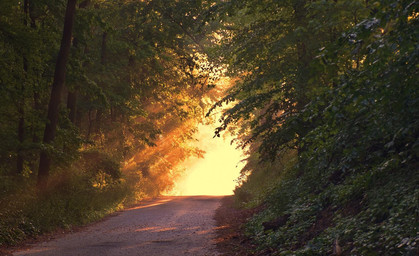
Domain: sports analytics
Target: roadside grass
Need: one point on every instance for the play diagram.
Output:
(72, 199)
(368, 213)
(260, 179)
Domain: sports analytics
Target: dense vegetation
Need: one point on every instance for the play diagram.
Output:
(325, 100)
(136, 84)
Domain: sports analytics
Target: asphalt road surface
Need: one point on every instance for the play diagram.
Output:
(165, 226)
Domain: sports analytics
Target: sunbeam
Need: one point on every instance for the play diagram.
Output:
(215, 174)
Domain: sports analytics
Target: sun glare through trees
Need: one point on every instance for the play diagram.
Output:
(216, 172)
(106, 103)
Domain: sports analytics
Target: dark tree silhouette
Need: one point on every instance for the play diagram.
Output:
(57, 87)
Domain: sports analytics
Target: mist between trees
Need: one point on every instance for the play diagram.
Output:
(100, 98)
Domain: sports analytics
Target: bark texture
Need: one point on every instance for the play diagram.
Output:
(55, 98)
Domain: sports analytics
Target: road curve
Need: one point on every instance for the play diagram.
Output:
(165, 226)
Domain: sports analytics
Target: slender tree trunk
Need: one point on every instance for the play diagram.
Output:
(303, 61)
(99, 112)
(35, 137)
(29, 7)
(103, 50)
(79, 118)
(71, 105)
(113, 114)
(21, 123)
(21, 137)
(37, 107)
(98, 121)
(89, 128)
(57, 87)
(21, 103)
(72, 94)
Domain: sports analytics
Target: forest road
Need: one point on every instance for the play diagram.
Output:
(164, 226)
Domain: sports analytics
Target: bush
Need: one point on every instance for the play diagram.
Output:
(72, 199)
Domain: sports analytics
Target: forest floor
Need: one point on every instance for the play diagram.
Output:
(165, 226)
(231, 240)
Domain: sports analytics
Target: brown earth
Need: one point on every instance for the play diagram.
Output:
(165, 226)
(231, 240)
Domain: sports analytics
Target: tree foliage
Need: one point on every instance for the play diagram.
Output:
(136, 70)
(334, 83)
(325, 96)
(137, 82)
(274, 46)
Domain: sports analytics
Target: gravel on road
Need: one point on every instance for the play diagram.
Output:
(164, 226)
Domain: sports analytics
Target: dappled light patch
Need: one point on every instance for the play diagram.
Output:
(156, 203)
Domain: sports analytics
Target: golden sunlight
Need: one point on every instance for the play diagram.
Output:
(216, 173)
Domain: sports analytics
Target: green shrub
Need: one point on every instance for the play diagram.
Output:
(71, 199)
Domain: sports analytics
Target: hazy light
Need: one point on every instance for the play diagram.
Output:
(215, 174)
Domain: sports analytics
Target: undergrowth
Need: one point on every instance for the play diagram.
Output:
(353, 188)
(366, 214)
(76, 196)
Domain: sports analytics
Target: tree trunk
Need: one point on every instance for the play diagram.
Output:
(99, 112)
(302, 75)
(89, 127)
(303, 58)
(98, 121)
(103, 50)
(21, 103)
(55, 98)
(79, 118)
(21, 137)
(38, 108)
(72, 94)
(71, 105)
(29, 14)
